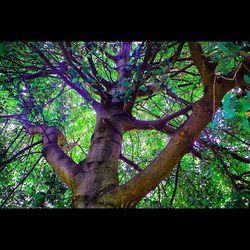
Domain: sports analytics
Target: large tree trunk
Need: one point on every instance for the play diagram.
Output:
(99, 171)
(95, 180)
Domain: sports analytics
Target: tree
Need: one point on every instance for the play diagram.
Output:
(51, 90)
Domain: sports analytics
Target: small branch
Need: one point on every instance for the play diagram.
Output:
(43, 73)
(131, 163)
(121, 60)
(185, 84)
(215, 146)
(177, 54)
(14, 189)
(175, 184)
(106, 53)
(175, 72)
(82, 91)
(6, 150)
(151, 89)
(68, 57)
(234, 136)
(159, 124)
(3, 164)
(176, 97)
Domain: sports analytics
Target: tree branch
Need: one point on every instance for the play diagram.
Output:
(121, 60)
(6, 150)
(180, 144)
(233, 135)
(205, 68)
(150, 90)
(159, 124)
(131, 163)
(223, 149)
(68, 58)
(82, 91)
(175, 184)
(17, 154)
(14, 189)
(53, 140)
(177, 54)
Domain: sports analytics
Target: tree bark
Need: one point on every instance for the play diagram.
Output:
(94, 181)
(181, 143)
(98, 172)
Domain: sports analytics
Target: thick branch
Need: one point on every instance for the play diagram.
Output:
(53, 140)
(180, 144)
(121, 60)
(205, 68)
(159, 124)
(125, 50)
(150, 54)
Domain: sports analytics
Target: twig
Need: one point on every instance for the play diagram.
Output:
(131, 163)
(14, 189)
(176, 183)
(17, 154)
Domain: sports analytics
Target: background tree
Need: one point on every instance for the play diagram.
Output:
(115, 119)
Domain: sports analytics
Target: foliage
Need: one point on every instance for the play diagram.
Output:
(216, 179)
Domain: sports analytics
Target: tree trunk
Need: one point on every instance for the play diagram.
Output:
(99, 171)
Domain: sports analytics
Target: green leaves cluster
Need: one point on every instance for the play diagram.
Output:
(237, 109)
(202, 184)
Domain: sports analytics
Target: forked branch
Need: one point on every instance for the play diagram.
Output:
(53, 142)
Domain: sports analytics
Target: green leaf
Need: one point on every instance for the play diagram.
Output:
(226, 102)
(84, 71)
(92, 81)
(3, 49)
(75, 80)
(245, 123)
(215, 121)
(245, 104)
(241, 114)
(16, 81)
(229, 113)
(143, 88)
(223, 48)
(247, 79)
(73, 73)
(238, 107)
(125, 84)
(248, 94)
